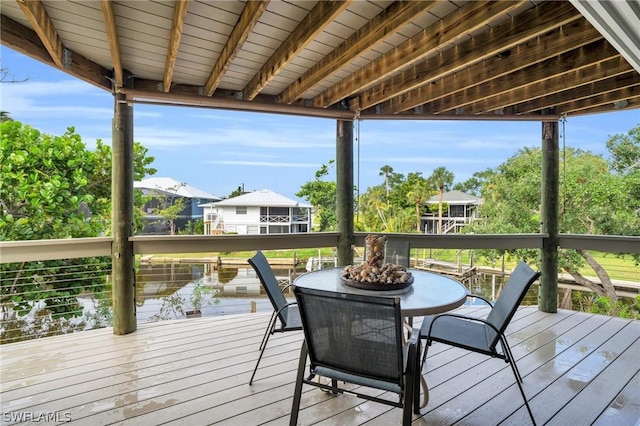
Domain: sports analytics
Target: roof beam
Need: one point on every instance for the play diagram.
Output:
(41, 22)
(559, 41)
(623, 99)
(497, 42)
(316, 20)
(380, 27)
(248, 19)
(26, 41)
(470, 17)
(610, 77)
(568, 70)
(114, 42)
(179, 13)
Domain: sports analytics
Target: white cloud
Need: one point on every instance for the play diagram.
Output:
(264, 164)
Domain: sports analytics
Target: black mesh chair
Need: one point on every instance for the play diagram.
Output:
(284, 313)
(397, 252)
(482, 335)
(357, 339)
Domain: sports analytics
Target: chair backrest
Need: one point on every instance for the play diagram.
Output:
(270, 284)
(397, 252)
(354, 334)
(510, 298)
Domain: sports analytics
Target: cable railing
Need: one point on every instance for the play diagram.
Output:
(68, 291)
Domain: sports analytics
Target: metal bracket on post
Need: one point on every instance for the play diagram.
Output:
(67, 59)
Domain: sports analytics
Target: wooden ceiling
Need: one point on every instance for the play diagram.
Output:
(344, 59)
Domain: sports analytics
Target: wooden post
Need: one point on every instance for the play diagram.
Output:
(344, 189)
(548, 294)
(123, 266)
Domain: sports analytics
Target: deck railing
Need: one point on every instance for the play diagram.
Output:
(46, 250)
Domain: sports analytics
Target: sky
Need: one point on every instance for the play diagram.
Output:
(217, 151)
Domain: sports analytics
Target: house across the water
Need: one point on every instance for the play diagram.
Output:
(165, 192)
(458, 210)
(258, 212)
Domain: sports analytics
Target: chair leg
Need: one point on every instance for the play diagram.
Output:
(526, 403)
(516, 373)
(270, 327)
(263, 345)
(297, 394)
(507, 352)
(424, 355)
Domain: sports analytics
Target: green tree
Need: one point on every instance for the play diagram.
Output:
(418, 195)
(386, 171)
(168, 206)
(322, 195)
(475, 183)
(442, 179)
(595, 199)
(53, 187)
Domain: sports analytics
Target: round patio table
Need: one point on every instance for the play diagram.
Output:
(429, 294)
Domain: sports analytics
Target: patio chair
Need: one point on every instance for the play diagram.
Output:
(398, 253)
(482, 335)
(357, 339)
(285, 313)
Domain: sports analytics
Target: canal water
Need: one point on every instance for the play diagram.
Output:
(233, 290)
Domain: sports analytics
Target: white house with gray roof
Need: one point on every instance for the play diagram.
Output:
(258, 212)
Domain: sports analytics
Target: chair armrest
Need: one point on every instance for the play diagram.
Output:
(464, 317)
(286, 306)
(484, 299)
(286, 287)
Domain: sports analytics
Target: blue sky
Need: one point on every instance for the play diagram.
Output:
(217, 151)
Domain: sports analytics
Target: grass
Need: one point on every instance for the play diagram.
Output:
(619, 268)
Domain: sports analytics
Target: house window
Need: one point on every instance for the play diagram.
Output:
(241, 210)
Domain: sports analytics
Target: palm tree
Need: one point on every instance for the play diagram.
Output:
(386, 171)
(442, 179)
(418, 194)
(5, 116)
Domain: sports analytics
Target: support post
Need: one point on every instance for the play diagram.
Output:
(548, 294)
(344, 189)
(123, 266)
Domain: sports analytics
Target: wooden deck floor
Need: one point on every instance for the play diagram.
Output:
(578, 369)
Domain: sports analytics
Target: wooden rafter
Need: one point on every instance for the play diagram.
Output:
(549, 45)
(114, 42)
(179, 13)
(39, 18)
(472, 16)
(26, 41)
(504, 37)
(389, 20)
(549, 76)
(621, 99)
(248, 19)
(610, 81)
(316, 20)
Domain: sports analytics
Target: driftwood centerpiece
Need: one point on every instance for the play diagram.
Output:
(373, 273)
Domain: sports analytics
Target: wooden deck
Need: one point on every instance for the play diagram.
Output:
(578, 369)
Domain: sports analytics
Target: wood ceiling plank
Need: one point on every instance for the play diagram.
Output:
(248, 19)
(111, 29)
(610, 80)
(315, 21)
(561, 40)
(26, 41)
(470, 17)
(179, 13)
(388, 21)
(502, 38)
(41, 22)
(550, 76)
